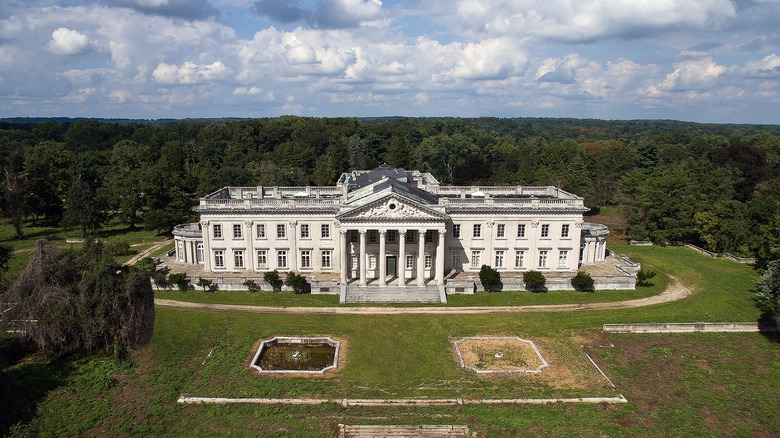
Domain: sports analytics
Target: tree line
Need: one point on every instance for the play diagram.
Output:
(709, 184)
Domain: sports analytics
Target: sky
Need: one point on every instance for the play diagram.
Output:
(694, 60)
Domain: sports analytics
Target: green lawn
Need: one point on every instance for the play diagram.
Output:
(677, 385)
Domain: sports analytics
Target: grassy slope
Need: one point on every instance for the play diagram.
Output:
(676, 385)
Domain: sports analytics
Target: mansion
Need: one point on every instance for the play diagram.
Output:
(391, 227)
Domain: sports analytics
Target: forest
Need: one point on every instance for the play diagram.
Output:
(713, 185)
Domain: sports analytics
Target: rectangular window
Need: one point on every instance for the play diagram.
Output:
(325, 231)
(236, 231)
(410, 237)
(477, 231)
(281, 258)
(199, 253)
(372, 261)
(499, 259)
(501, 231)
(409, 261)
(543, 259)
(304, 231)
(545, 230)
(217, 231)
(428, 262)
(429, 236)
(326, 258)
(354, 236)
(373, 236)
(238, 258)
(281, 231)
(219, 259)
(519, 258)
(392, 236)
(563, 258)
(475, 259)
(521, 231)
(262, 258)
(565, 230)
(306, 259)
(261, 231)
(456, 231)
(455, 256)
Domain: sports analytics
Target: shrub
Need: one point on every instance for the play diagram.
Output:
(146, 265)
(161, 280)
(204, 283)
(490, 278)
(179, 279)
(534, 281)
(298, 283)
(643, 275)
(272, 278)
(582, 282)
(250, 285)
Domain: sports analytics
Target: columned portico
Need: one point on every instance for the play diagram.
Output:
(374, 249)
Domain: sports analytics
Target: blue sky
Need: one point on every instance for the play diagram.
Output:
(697, 60)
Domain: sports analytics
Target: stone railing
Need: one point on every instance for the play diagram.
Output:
(468, 286)
(221, 204)
(499, 190)
(533, 203)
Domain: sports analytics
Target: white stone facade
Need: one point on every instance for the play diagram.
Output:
(390, 227)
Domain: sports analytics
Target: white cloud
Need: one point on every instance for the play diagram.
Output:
(68, 41)
(768, 66)
(190, 73)
(693, 74)
(588, 20)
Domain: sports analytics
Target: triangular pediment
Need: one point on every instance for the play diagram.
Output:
(393, 207)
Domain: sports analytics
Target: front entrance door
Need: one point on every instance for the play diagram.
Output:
(391, 262)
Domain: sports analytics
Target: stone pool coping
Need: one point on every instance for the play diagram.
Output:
(536, 350)
(297, 340)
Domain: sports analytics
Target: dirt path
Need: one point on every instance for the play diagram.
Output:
(147, 251)
(675, 291)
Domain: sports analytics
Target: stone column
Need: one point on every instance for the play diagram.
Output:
(382, 259)
(205, 230)
(401, 265)
(489, 258)
(421, 258)
(249, 257)
(292, 258)
(362, 258)
(440, 251)
(343, 254)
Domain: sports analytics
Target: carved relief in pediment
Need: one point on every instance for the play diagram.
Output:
(392, 209)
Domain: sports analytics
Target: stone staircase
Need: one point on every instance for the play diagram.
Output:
(393, 294)
(395, 431)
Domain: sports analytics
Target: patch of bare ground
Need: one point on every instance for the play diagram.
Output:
(499, 354)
